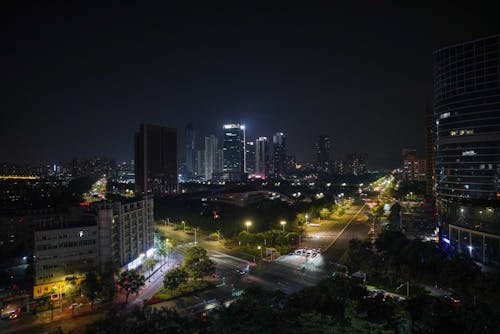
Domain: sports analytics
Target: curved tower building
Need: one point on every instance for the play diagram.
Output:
(467, 115)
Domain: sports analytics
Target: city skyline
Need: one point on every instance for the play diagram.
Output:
(335, 69)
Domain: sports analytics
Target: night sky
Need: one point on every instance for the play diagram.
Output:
(78, 80)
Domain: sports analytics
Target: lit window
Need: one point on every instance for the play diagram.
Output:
(453, 132)
(469, 153)
(444, 115)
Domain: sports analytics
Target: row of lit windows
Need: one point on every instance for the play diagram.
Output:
(67, 244)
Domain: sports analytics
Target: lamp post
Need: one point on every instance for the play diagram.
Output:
(248, 223)
(283, 223)
(183, 225)
(260, 248)
(218, 235)
(195, 241)
(307, 217)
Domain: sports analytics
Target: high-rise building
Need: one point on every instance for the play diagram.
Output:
(200, 164)
(262, 157)
(467, 117)
(430, 150)
(250, 155)
(279, 154)
(323, 152)
(211, 148)
(189, 138)
(357, 164)
(234, 152)
(156, 169)
(413, 166)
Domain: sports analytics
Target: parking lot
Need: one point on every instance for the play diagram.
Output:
(304, 259)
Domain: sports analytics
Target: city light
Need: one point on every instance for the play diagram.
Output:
(283, 223)
(248, 223)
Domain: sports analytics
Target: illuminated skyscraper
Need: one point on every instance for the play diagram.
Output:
(279, 154)
(250, 156)
(211, 147)
(467, 118)
(234, 152)
(262, 157)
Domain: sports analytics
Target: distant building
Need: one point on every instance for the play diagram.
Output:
(211, 149)
(234, 152)
(340, 167)
(279, 154)
(200, 164)
(250, 155)
(414, 168)
(262, 157)
(323, 152)
(189, 144)
(467, 174)
(156, 169)
(357, 164)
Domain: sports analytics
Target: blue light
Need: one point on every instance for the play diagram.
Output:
(446, 240)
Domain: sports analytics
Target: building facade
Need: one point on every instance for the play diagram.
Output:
(189, 150)
(126, 231)
(116, 234)
(211, 149)
(156, 170)
(250, 157)
(323, 153)
(234, 152)
(64, 245)
(279, 155)
(467, 118)
(262, 158)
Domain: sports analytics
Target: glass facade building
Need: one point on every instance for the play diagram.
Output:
(467, 161)
(234, 152)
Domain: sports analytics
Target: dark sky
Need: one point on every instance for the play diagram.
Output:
(79, 79)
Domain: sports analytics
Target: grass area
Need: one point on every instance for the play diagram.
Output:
(184, 289)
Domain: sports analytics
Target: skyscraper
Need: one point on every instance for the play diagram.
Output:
(279, 154)
(189, 142)
(250, 155)
(323, 152)
(262, 157)
(430, 150)
(467, 117)
(234, 152)
(156, 160)
(211, 147)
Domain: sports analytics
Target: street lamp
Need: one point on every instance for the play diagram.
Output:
(248, 224)
(183, 225)
(195, 241)
(260, 248)
(283, 223)
(307, 217)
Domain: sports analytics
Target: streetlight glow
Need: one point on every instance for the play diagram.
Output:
(248, 223)
(283, 223)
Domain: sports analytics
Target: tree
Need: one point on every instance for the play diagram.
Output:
(197, 262)
(175, 277)
(91, 287)
(394, 216)
(74, 287)
(130, 281)
(149, 264)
